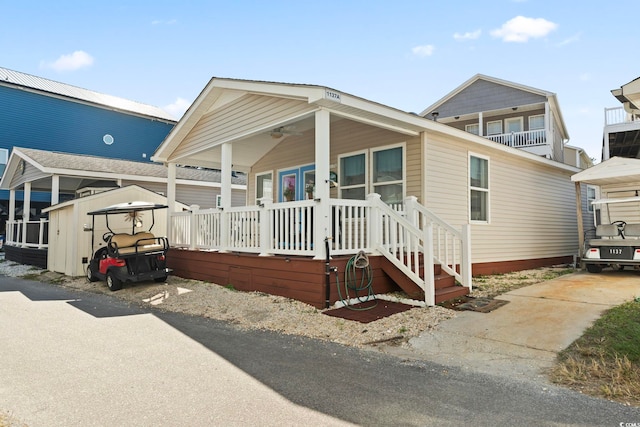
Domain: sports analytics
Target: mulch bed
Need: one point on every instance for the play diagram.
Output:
(481, 305)
(368, 311)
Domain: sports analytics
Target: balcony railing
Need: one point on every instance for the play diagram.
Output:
(617, 116)
(529, 138)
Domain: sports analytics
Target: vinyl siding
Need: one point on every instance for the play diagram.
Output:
(532, 206)
(346, 136)
(244, 115)
(205, 197)
(33, 120)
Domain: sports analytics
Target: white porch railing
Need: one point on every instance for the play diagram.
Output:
(369, 225)
(28, 234)
(530, 138)
(617, 115)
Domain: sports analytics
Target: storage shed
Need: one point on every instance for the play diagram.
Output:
(70, 239)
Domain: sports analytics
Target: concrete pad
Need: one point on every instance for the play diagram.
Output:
(523, 337)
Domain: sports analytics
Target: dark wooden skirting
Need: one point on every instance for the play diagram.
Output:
(29, 256)
(299, 278)
(487, 268)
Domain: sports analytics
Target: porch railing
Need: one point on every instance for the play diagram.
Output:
(530, 138)
(617, 116)
(28, 234)
(409, 235)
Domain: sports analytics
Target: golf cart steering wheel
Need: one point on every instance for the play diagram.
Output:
(106, 236)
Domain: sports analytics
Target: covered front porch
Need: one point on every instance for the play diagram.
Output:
(276, 132)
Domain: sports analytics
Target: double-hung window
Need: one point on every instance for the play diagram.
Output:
(387, 174)
(353, 176)
(379, 170)
(494, 127)
(591, 196)
(473, 128)
(478, 188)
(264, 185)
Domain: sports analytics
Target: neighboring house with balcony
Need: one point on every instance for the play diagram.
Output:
(622, 124)
(331, 174)
(508, 113)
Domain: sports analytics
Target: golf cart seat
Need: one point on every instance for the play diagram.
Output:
(632, 230)
(122, 244)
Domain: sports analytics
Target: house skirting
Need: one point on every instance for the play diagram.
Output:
(299, 278)
(29, 256)
(487, 268)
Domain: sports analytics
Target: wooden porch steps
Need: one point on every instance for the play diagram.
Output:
(445, 285)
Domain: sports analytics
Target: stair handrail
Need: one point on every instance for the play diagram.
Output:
(403, 247)
(463, 236)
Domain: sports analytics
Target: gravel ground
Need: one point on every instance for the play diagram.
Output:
(263, 311)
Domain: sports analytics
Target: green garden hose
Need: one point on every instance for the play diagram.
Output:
(357, 263)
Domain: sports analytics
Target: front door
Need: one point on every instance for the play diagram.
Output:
(296, 183)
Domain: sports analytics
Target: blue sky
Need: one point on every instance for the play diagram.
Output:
(405, 54)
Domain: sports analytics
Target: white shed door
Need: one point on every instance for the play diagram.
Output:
(58, 247)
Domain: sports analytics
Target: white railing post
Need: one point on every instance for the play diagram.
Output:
(193, 226)
(41, 244)
(466, 264)
(265, 225)
(375, 230)
(429, 274)
(410, 210)
(23, 237)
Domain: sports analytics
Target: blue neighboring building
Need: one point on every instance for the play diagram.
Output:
(48, 115)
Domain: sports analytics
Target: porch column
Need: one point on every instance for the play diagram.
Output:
(548, 137)
(480, 119)
(26, 206)
(171, 194)
(323, 208)
(12, 205)
(55, 189)
(226, 155)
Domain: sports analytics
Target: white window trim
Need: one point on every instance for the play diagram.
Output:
(514, 119)
(366, 171)
(595, 196)
(256, 183)
(403, 181)
(492, 122)
(4, 156)
(475, 125)
(487, 190)
(543, 122)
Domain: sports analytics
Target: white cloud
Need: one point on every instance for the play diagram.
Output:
(178, 107)
(425, 50)
(70, 62)
(520, 29)
(469, 35)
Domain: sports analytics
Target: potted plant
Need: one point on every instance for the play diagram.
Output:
(309, 189)
(289, 193)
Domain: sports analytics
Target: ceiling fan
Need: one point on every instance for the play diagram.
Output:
(281, 131)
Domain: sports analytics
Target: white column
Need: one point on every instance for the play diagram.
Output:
(547, 131)
(605, 147)
(12, 205)
(27, 201)
(226, 156)
(480, 127)
(55, 189)
(323, 208)
(171, 194)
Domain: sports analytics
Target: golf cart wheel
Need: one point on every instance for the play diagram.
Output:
(160, 279)
(592, 268)
(90, 276)
(113, 282)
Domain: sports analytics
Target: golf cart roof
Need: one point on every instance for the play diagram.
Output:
(616, 200)
(128, 207)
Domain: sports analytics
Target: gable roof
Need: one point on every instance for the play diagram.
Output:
(550, 96)
(616, 170)
(25, 81)
(222, 114)
(83, 166)
(629, 95)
